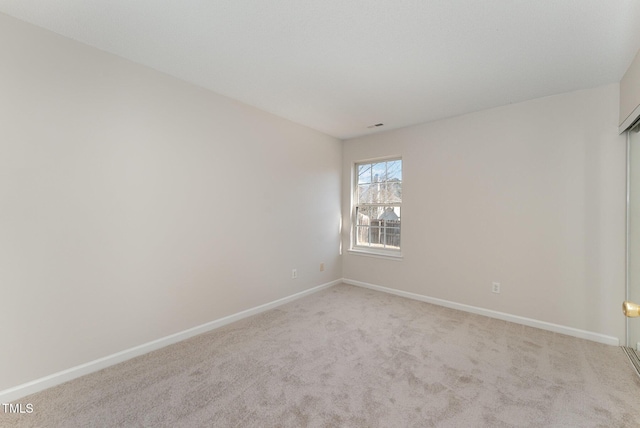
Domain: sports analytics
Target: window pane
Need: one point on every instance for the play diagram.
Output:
(379, 172)
(364, 174)
(392, 237)
(366, 214)
(389, 193)
(394, 170)
(389, 214)
(376, 190)
(378, 226)
(375, 234)
(380, 183)
(363, 215)
(380, 193)
(362, 235)
(365, 194)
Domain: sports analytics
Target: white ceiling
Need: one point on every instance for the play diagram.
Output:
(340, 65)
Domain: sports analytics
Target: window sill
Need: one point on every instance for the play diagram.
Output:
(377, 254)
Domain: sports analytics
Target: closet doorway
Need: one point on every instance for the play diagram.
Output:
(633, 241)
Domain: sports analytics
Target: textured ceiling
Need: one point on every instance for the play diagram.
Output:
(339, 66)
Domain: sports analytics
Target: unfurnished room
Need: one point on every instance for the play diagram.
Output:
(320, 214)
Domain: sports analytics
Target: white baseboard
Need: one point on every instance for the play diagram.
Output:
(556, 328)
(12, 394)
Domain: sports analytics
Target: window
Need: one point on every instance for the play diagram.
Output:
(376, 207)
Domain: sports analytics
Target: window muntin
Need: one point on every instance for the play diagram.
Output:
(377, 206)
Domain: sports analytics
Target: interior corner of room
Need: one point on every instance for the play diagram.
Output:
(137, 209)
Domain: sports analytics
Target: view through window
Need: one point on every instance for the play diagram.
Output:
(377, 204)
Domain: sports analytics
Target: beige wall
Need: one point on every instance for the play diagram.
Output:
(531, 195)
(134, 206)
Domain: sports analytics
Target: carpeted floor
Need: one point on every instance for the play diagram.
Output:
(351, 357)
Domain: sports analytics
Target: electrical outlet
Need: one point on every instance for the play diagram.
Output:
(495, 287)
(294, 273)
(321, 267)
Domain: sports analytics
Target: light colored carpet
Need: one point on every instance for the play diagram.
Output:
(351, 357)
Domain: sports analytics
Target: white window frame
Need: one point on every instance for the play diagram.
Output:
(368, 250)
